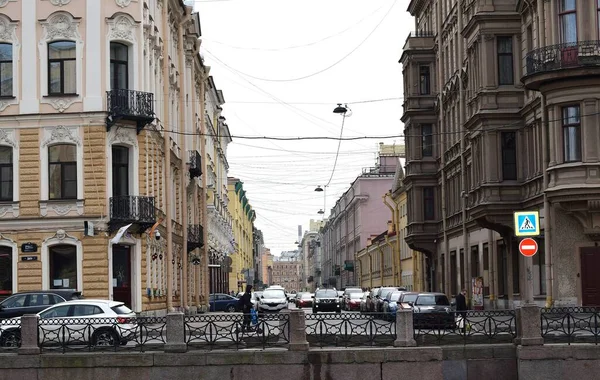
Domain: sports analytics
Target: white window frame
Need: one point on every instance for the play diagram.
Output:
(6, 242)
(9, 36)
(52, 136)
(8, 137)
(60, 26)
(61, 238)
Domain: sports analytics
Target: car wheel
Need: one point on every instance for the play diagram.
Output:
(231, 309)
(11, 338)
(106, 338)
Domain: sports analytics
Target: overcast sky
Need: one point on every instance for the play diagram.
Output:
(283, 66)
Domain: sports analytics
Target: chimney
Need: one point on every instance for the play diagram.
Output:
(391, 228)
(369, 242)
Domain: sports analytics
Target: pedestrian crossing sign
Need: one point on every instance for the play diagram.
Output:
(527, 223)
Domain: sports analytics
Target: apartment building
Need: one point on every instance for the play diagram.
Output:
(287, 271)
(243, 217)
(500, 105)
(102, 161)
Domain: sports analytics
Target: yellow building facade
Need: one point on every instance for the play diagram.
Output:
(243, 216)
(101, 186)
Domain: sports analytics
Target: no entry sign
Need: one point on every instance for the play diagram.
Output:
(528, 247)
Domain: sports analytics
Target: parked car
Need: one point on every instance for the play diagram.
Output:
(346, 295)
(33, 302)
(372, 300)
(363, 307)
(326, 300)
(296, 298)
(223, 302)
(433, 311)
(273, 299)
(390, 305)
(98, 322)
(407, 299)
(380, 297)
(353, 301)
(305, 300)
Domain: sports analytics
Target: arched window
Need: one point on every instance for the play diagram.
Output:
(119, 66)
(6, 173)
(62, 72)
(62, 168)
(63, 266)
(6, 70)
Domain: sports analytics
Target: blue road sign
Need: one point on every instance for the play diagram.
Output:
(527, 223)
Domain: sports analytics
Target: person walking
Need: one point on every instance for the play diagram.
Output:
(246, 306)
(461, 310)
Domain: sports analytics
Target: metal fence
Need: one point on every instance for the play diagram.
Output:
(227, 331)
(471, 327)
(349, 330)
(570, 325)
(10, 339)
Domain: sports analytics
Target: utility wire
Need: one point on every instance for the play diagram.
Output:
(337, 154)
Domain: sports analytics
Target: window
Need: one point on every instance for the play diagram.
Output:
(62, 78)
(6, 265)
(56, 312)
(428, 203)
(120, 170)
(509, 156)
(427, 140)
(571, 124)
(6, 173)
(63, 267)
(119, 66)
(62, 171)
(6, 70)
(505, 61)
(568, 21)
(425, 80)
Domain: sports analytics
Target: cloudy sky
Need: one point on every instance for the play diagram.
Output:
(283, 66)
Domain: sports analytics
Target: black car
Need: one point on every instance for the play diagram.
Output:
(33, 302)
(326, 300)
(432, 311)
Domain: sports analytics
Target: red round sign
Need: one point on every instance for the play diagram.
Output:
(528, 247)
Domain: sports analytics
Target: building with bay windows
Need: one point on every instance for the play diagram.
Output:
(102, 160)
(500, 106)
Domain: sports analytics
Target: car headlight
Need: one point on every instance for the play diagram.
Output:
(316, 301)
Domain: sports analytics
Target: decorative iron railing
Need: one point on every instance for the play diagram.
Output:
(91, 334)
(349, 330)
(472, 327)
(570, 325)
(130, 104)
(227, 331)
(10, 333)
(561, 56)
(132, 209)
(195, 238)
(195, 163)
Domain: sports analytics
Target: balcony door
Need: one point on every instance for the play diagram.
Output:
(119, 66)
(121, 274)
(120, 171)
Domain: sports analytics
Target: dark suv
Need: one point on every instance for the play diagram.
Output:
(326, 300)
(34, 301)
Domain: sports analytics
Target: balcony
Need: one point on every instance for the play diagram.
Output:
(129, 105)
(557, 62)
(421, 236)
(419, 40)
(130, 209)
(195, 164)
(195, 237)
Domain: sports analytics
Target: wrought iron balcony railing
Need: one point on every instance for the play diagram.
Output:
(195, 237)
(562, 56)
(131, 105)
(126, 209)
(195, 163)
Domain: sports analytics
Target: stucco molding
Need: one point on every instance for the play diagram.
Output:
(59, 3)
(123, 3)
(62, 134)
(122, 28)
(4, 3)
(122, 136)
(60, 25)
(7, 137)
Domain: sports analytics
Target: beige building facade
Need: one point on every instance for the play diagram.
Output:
(500, 114)
(99, 104)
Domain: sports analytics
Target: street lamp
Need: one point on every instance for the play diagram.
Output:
(340, 109)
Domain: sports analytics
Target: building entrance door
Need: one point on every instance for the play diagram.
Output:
(590, 281)
(121, 281)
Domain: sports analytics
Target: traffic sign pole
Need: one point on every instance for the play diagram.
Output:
(528, 248)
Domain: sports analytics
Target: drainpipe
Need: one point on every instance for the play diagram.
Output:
(167, 150)
(396, 269)
(370, 269)
(463, 162)
(440, 71)
(398, 240)
(380, 263)
(545, 160)
(183, 184)
(204, 275)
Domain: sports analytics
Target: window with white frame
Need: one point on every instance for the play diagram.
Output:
(6, 70)
(63, 266)
(62, 68)
(62, 171)
(6, 173)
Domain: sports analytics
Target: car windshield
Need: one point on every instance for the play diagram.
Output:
(409, 298)
(326, 294)
(355, 296)
(273, 293)
(395, 296)
(433, 300)
(306, 296)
